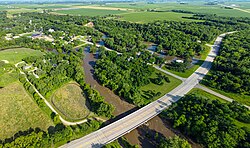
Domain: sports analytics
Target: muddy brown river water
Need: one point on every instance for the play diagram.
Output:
(122, 108)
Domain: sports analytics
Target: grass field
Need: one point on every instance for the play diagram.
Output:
(70, 102)
(204, 94)
(163, 89)
(19, 112)
(89, 12)
(146, 17)
(207, 95)
(8, 74)
(16, 55)
(42, 6)
(197, 7)
(191, 70)
(244, 99)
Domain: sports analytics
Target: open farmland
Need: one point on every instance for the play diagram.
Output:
(89, 12)
(146, 17)
(16, 55)
(19, 112)
(71, 103)
(197, 7)
(42, 6)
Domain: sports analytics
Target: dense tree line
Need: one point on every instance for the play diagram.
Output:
(125, 74)
(54, 137)
(54, 70)
(175, 142)
(210, 122)
(231, 69)
(177, 38)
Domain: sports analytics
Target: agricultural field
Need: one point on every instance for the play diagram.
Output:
(89, 12)
(70, 102)
(163, 89)
(42, 6)
(147, 17)
(197, 7)
(17, 54)
(19, 112)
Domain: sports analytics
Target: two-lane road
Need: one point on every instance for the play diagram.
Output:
(128, 123)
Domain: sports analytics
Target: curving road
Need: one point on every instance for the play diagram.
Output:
(119, 128)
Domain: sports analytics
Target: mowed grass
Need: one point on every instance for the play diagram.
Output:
(163, 89)
(147, 17)
(192, 69)
(244, 99)
(70, 102)
(19, 112)
(8, 78)
(89, 12)
(205, 94)
(8, 74)
(16, 55)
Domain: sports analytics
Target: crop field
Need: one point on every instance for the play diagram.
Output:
(19, 112)
(163, 89)
(70, 102)
(241, 5)
(197, 7)
(146, 17)
(89, 12)
(16, 55)
(42, 6)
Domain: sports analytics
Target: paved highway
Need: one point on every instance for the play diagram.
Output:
(119, 128)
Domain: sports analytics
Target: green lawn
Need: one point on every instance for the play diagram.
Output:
(146, 17)
(19, 112)
(191, 70)
(205, 94)
(70, 102)
(16, 55)
(244, 99)
(163, 89)
(89, 12)
(8, 74)
(8, 78)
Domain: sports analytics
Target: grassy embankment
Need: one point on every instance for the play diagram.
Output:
(244, 99)
(70, 102)
(207, 95)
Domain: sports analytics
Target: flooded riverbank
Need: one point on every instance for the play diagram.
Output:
(122, 108)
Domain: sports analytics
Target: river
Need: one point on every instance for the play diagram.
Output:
(122, 108)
